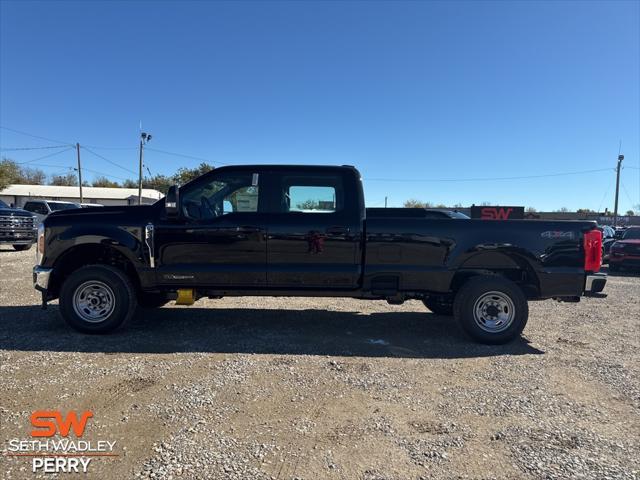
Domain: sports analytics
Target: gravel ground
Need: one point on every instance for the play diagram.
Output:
(286, 388)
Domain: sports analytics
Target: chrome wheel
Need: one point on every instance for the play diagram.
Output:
(94, 301)
(494, 312)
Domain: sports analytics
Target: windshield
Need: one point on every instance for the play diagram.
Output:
(632, 234)
(55, 206)
(3, 205)
(458, 215)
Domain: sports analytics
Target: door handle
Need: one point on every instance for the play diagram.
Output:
(337, 230)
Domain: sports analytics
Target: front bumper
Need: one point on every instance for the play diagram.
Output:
(594, 283)
(41, 278)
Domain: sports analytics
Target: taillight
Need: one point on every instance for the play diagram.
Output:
(592, 250)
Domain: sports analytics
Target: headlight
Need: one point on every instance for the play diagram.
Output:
(40, 244)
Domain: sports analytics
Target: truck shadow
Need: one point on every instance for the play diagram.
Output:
(283, 332)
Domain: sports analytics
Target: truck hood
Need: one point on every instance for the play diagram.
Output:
(143, 211)
(14, 212)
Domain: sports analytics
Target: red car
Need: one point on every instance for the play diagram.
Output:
(626, 251)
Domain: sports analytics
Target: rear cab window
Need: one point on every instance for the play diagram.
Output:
(309, 194)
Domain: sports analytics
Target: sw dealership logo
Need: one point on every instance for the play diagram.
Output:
(56, 444)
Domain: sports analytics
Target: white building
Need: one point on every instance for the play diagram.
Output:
(17, 195)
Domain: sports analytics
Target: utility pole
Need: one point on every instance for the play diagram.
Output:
(79, 172)
(144, 138)
(385, 202)
(615, 208)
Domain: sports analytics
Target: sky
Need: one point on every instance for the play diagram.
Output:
(438, 101)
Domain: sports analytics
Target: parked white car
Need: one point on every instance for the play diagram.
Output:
(41, 208)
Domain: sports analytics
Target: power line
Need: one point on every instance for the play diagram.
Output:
(111, 148)
(523, 177)
(34, 136)
(49, 165)
(45, 156)
(183, 155)
(104, 174)
(31, 148)
(605, 194)
(626, 192)
(106, 159)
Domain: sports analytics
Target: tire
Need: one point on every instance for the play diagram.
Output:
(614, 267)
(491, 309)
(97, 299)
(152, 300)
(439, 308)
(22, 248)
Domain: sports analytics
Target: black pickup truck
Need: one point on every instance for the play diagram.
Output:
(17, 227)
(278, 230)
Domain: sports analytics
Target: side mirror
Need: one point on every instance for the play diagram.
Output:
(172, 202)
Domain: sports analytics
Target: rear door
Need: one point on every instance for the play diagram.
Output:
(314, 234)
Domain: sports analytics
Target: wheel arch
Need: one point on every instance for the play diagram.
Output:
(510, 265)
(84, 254)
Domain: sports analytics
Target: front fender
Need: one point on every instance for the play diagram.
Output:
(125, 240)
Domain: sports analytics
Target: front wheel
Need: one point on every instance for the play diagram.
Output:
(97, 299)
(22, 248)
(491, 309)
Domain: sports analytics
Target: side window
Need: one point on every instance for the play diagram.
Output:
(311, 194)
(220, 195)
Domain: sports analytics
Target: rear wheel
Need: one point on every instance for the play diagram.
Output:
(491, 309)
(97, 299)
(22, 248)
(439, 308)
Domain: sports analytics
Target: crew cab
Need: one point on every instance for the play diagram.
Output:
(17, 227)
(278, 230)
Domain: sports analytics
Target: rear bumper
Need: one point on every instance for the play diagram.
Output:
(41, 278)
(594, 283)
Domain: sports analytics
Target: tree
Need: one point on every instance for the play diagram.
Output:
(630, 213)
(32, 176)
(184, 175)
(413, 203)
(12, 173)
(68, 180)
(562, 209)
(531, 210)
(158, 182)
(9, 172)
(585, 210)
(308, 205)
(104, 182)
(128, 183)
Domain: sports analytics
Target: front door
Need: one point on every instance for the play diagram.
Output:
(220, 238)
